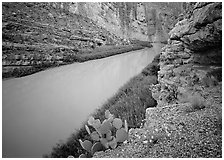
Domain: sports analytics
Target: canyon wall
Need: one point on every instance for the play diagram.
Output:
(130, 20)
(40, 35)
(192, 57)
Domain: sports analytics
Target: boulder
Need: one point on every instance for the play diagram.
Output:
(203, 29)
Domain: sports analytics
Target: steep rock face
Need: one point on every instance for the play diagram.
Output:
(132, 20)
(193, 55)
(202, 32)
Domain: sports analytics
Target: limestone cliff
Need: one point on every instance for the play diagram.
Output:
(130, 20)
(193, 53)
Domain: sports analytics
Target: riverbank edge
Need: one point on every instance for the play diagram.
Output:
(129, 103)
(69, 59)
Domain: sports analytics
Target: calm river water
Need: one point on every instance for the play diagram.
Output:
(43, 108)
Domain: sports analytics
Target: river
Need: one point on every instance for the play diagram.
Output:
(40, 109)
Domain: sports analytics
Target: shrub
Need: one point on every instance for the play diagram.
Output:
(156, 59)
(70, 147)
(106, 52)
(142, 43)
(197, 103)
(151, 70)
(216, 73)
(209, 81)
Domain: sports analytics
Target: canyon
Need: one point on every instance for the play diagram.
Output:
(179, 93)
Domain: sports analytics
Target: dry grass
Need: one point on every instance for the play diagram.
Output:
(197, 102)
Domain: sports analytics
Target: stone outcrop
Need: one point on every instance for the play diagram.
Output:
(193, 52)
(130, 20)
(203, 29)
(202, 32)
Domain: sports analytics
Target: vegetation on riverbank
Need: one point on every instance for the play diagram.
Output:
(129, 103)
(85, 55)
(101, 52)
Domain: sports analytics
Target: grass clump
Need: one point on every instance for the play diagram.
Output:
(142, 43)
(217, 73)
(153, 68)
(102, 52)
(209, 81)
(197, 103)
(212, 78)
(129, 103)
